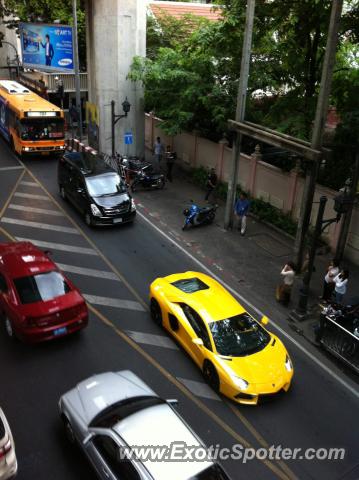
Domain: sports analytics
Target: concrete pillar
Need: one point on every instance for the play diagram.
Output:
(220, 157)
(293, 178)
(255, 158)
(116, 32)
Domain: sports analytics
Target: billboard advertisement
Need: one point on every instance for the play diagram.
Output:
(47, 47)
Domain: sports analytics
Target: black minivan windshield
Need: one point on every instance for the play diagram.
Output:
(105, 185)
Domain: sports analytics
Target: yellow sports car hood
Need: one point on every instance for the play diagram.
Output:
(266, 366)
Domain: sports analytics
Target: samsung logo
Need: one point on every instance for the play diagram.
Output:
(64, 62)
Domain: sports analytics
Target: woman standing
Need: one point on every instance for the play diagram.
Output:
(341, 283)
(329, 284)
(284, 290)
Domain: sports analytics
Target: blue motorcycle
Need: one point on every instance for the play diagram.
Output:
(196, 215)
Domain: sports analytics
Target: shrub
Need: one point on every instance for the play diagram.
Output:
(263, 210)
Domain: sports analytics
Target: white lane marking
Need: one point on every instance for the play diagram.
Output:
(24, 208)
(199, 389)
(150, 339)
(114, 302)
(31, 195)
(29, 184)
(352, 389)
(90, 272)
(41, 226)
(17, 167)
(59, 246)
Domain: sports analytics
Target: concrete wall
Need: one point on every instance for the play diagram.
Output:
(281, 189)
(116, 32)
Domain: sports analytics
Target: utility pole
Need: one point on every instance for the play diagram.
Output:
(344, 230)
(317, 135)
(77, 71)
(240, 112)
(304, 291)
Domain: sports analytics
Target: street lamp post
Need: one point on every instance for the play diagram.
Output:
(342, 202)
(126, 106)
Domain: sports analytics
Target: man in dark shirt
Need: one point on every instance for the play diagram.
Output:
(211, 183)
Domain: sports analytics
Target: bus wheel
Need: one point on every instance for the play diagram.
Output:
(12, 145)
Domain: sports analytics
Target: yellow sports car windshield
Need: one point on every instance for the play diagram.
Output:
(238, 336)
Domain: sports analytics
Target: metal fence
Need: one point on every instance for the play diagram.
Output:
(340, 342)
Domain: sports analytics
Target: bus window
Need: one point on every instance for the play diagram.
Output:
(42, 129)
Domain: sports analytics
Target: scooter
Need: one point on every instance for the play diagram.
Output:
(147, 179)
(196, 215)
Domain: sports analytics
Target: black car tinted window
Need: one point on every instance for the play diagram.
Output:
(197, 324)
(42, 287)
(190, 285)
(2, 429)
(3, 284)
(110, 452)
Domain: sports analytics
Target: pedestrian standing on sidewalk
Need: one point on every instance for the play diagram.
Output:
(241, 209)
(158, 150)
(341, 284)
(211, 183)
(170, 160)
(329, 284)
(285, 289)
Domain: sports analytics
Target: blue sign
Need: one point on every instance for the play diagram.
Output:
(47, 47)
(128, 138)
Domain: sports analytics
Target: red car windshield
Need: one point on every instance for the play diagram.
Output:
(41, 287)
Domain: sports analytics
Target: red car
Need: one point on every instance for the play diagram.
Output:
(37, 302)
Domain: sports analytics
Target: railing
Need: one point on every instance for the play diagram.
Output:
(68, 80)
(339, 341)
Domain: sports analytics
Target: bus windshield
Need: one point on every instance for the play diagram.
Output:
(42, 129)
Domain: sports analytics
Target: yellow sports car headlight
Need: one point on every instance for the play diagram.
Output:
(288, 364)
(240, 382)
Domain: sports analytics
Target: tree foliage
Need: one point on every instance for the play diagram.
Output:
(191, 74)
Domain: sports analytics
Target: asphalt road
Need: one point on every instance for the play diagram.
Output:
(318, 412)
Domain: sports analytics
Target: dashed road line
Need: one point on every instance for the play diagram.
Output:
(200, 389)
(16, 167)
(59, 246)
(33, 196)
(41, 226)
(89, 272)
(150, 339)
(24, 208)
(29, 184)
(114, 302)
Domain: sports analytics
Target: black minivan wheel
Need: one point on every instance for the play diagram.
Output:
(88, 219)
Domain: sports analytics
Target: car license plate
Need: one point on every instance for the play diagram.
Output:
(45, 153)
(117, 220)
(60, 331)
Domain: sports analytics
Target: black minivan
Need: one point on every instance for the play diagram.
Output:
(95, 189)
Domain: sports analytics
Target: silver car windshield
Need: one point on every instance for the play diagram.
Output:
(123, 409)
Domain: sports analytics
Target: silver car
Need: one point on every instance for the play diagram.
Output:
(8, 463)
(128, 432)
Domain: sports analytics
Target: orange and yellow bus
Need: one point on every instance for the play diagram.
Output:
(31, 124)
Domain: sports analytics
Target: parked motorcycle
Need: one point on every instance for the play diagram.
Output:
(146, 178)
(196, 215)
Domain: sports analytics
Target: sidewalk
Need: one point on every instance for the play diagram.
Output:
(252, 262)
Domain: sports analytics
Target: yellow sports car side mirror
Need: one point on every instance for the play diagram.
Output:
(264, 320)
(197, 341)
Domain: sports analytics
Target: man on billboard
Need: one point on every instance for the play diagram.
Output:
(49, 49)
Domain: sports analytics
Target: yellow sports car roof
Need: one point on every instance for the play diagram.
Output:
(212, 303)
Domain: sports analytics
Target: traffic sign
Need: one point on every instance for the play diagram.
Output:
(128, 138)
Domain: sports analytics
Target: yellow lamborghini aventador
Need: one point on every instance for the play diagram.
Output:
(237, 355)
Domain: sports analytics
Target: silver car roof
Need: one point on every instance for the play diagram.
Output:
(160, 426)
(100, 391)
